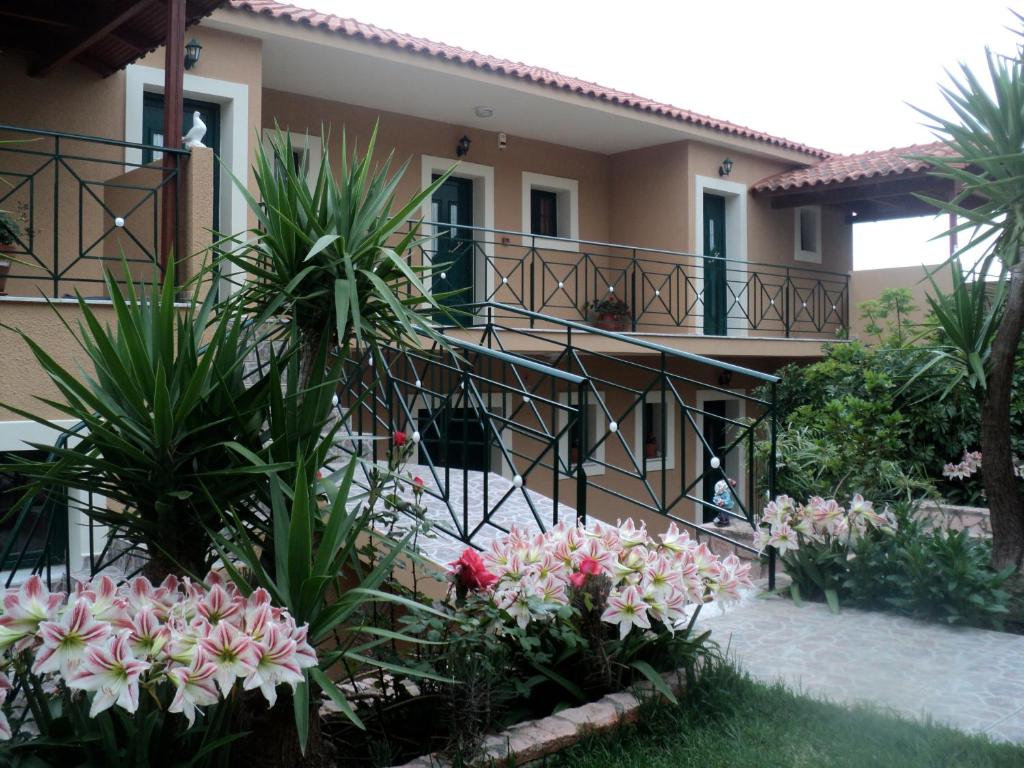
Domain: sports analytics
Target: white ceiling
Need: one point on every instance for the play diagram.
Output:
(300, 60)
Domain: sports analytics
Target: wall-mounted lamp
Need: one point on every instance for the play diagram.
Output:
(725, 168)
(462, 148)
(192, 50)
(725, 378)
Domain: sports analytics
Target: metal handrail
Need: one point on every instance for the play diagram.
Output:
(620, 246)
(632, 340)
(92, 139)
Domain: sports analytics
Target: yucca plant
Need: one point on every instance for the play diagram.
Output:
(986, 137)
(172, 431)
(334, 256)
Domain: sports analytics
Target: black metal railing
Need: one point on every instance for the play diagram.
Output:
(663, 291)
(79, 206)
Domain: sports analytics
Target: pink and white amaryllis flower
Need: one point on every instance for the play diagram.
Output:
(233, 653)
(24, 610)
(112, 672)
(277, 664)
(148, 635)
(5, 727)
(784, 539)
(106, 602)
(628, 610)
(194, 687)
(65, 642)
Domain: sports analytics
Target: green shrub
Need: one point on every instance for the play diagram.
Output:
(928, 573)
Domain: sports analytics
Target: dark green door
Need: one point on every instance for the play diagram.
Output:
(715, 435)
(452, 204)
(715, 305)
(456, 439)
(153, 133)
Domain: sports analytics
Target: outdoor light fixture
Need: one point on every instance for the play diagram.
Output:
(462, 149)
(725, 168)
(483, 111)
(192, 51)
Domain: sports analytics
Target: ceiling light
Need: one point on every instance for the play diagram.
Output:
(483, 111)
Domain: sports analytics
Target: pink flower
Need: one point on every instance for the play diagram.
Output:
(578, 580)
(194, 687)
(783, 538)
(112, 672)
(277, 664)
(5, 727)
(399, 439)
(628, 610)
(148, 635)
(233, 653)
(24, 610)
(471, 572)
(65, 642)
(218, 606)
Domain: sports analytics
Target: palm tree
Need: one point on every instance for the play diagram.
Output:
(987, 168)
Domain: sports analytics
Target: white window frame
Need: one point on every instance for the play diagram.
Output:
(313, 146)
(568, 192)
(735, 395)
(482, 177)
(669, 449)
(16, 436)
(799, 254)
(735, 195)
(234, 141)
(597, 466)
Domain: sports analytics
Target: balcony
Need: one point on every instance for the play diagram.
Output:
(75, 206)
(661, 292)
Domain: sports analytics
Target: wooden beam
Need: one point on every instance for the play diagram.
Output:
(90, 38)
(174, 94)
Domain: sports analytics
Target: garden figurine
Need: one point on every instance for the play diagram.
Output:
(724, 501)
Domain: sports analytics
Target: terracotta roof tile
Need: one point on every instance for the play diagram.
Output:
(865, 165)
(539, 75)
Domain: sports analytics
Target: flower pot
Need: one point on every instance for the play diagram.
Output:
(609, 322)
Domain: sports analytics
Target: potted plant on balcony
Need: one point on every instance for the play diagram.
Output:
(609, 314)
(10, 232)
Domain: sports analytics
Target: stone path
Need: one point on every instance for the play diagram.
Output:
(971, 679)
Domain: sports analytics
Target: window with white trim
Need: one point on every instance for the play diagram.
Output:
(306, 149)
(655, 434)
(27, 533)
(570, 449)
(807, 233)
(550, 210)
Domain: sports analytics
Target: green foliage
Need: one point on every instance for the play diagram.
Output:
(937, 574)
(329, 254)
(172, 430)
(10, 231)
(889, 317)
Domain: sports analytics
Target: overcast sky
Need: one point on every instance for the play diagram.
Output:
(835, 75)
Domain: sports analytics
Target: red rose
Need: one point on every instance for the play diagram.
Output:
(417, 483)
(471, 571)
(399, 439)
(578, 579)
(590, 566)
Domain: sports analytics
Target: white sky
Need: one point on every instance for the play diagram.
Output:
(835, 75)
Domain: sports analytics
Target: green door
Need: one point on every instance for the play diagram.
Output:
(716, 436)
(153, 133)
(454, 438)
(715, 304)
(452, 204)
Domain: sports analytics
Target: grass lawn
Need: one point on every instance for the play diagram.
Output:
(730, 721)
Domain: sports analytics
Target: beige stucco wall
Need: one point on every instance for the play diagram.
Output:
(868, 284)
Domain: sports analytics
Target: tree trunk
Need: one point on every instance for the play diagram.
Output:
(1004, 498)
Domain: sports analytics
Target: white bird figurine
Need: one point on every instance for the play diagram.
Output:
(194, 137)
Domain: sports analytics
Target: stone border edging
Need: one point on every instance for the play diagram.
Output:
(532, 740)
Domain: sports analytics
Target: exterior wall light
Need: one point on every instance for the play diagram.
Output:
(725, 168)
(192, 50)
(462, 148)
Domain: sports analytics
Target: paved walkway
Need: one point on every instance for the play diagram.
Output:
(969, 678)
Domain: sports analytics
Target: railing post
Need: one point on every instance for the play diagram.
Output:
(56, 217)
(584, 454)
(787, 290)
(533, 276)
(632, 297)
(773, 426)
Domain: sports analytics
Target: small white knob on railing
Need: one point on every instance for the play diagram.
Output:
(444, 275)
(504, 280)
(415, 437)
(526, 398)
(715, 463)
(613, 427)
(517, 481)
(611, 289)
(418, 384)
(804, 304)
(119, 222)
(657, 293)
(561, 284)
(334, 400)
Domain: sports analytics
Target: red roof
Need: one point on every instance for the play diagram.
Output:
(843, 168)
(370, 33)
